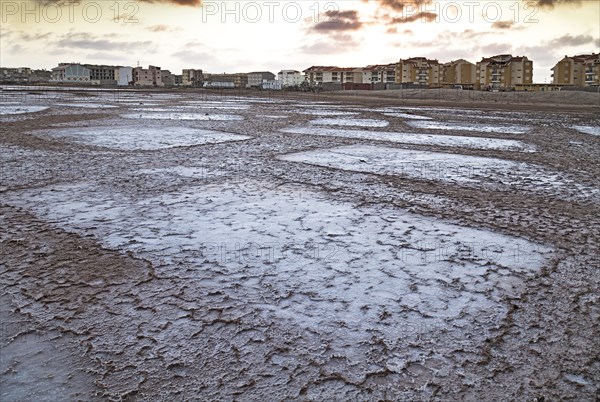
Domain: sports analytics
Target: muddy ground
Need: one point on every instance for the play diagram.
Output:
(87, 315)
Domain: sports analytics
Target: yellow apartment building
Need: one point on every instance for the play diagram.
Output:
(458, 72)
(503, 72)
(570, 71)
(592, 70)
(418, 71)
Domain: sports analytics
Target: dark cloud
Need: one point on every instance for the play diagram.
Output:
(570, 40)
(398, 5)
(339, 21)
(503, 24)
(27, 37)
(424, 16)
(83, 40)
(553, 3)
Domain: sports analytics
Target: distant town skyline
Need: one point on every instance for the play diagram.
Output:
(236, 36)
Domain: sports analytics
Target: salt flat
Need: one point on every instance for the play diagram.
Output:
(266, 257)
(183, 116)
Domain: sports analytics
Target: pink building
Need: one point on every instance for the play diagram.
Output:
(150, 77)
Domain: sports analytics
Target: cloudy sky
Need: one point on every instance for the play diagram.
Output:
(241, 36)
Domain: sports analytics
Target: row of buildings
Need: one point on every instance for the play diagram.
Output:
(24, 75)
(497, 73)
(76, 73)
(501, 72)
(154, 76)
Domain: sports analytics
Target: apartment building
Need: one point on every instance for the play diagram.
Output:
(570, 71)
(592, 70)
(503, 72)
(21, 75)
(352, 76)
(290, 78)
(256, 79)
(102, 74)
(319, 75)
(579, 71)
(191, 77)
(458, 72)
(39, 76)
(239, 80)
(15, 75)
(418, 71)
(150, 77)
(379, 73)
(168, 79)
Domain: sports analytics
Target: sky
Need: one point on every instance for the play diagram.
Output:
(243, 36)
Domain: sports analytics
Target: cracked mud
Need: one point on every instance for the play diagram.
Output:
(181, 246)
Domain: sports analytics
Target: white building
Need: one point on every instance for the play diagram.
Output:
(290, 78)
(124, 76)
(71, 73)
(318, 75)
(379, 73)
(272, 84)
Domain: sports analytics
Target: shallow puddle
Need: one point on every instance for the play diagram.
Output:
(350, 122)
(183, 116)
(143, 138)
(21, 109)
